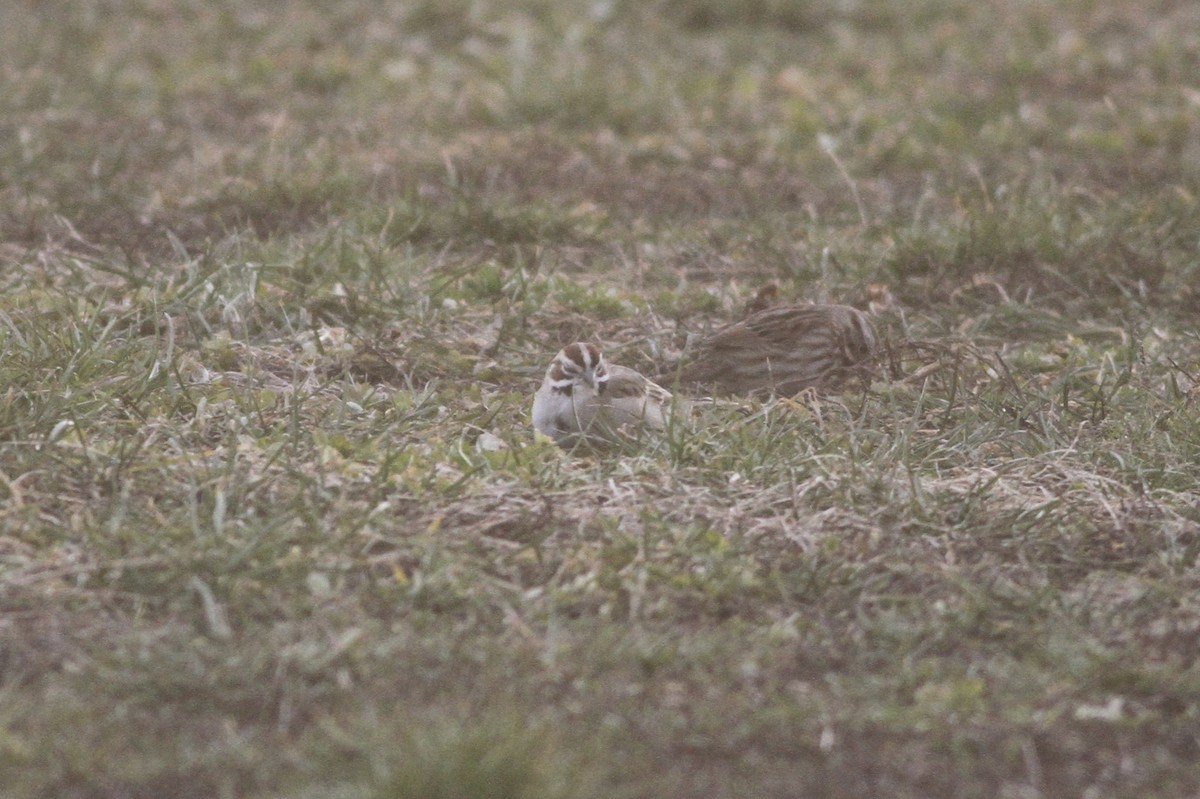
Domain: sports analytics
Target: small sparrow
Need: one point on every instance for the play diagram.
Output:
(583, 398)
(783, 351)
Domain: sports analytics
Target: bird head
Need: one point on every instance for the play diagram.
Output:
(578, 364)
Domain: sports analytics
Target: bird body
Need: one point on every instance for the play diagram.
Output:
(783, 351)
(583, 398)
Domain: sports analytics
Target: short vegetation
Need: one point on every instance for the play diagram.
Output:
(277, 282)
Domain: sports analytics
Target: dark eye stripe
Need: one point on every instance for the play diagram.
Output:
(573, 361)
(582, 356)
(582, 353)
(558, 372)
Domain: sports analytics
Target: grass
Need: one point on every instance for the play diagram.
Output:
(277, 287)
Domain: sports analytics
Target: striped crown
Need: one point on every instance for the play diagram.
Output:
(576, 363)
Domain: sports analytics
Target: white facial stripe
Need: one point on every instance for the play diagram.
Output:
(569, 358)
(576, 364)
(585, 356)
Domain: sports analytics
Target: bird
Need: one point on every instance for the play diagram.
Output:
(584, 399)
(782, 351)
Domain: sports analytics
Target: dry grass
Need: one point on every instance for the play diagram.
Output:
(275, 289)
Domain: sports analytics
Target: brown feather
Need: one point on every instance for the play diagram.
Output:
(783, 351)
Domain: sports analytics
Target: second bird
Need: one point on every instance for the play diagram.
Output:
(782, 351)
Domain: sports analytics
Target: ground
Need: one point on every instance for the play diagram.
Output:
(279, 282)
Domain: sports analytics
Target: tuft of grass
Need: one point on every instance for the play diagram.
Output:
(489, 757)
